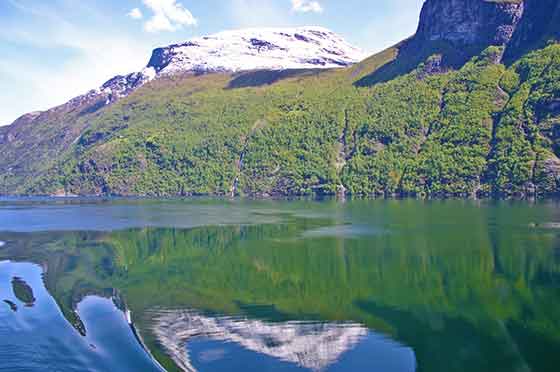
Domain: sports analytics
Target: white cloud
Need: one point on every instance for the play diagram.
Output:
(169, 15)
(135, 14)
(306, 6)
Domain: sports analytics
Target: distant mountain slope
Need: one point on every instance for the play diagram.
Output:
(470, 105)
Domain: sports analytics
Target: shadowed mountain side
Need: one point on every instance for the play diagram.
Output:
(410, 53)
(540, 25)
(266, 77)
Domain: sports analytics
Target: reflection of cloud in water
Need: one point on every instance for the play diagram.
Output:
(308, 344)
(2, 243)
(344, 231)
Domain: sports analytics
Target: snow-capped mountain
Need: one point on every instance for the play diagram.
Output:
(230, 52)
(236, 51)
(257, 49)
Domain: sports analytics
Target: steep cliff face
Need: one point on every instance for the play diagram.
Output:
(454, 31)
(540, 24)
(520, 25)
(457, 30)
(469, 23)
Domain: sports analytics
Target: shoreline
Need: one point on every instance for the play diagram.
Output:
(257, 197)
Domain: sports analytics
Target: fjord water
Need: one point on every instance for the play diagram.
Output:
(233, 285)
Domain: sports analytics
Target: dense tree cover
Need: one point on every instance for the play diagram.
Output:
(483, 129)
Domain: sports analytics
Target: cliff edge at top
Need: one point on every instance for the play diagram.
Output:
(457, 30)
(469, 23)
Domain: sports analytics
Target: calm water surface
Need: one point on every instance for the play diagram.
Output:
(231, 285)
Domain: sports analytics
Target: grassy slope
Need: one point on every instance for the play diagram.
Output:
(483, 128)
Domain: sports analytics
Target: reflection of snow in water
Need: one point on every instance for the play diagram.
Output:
(310, 345)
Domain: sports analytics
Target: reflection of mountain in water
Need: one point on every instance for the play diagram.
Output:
(308, 344)
(467, 287)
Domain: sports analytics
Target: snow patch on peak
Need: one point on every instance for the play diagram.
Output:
(257, 49)
(149, 73)
(121, 86)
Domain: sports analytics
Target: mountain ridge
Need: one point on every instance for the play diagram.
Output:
(319, 48)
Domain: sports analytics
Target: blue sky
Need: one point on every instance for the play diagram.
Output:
(53, 50)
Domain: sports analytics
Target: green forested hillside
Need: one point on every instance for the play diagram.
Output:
(469, 105)
(485, 128)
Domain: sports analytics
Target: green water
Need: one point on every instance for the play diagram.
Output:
(217, 285)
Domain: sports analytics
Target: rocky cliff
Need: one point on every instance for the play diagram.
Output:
(469, 23)
(457, 30)
(539, 25)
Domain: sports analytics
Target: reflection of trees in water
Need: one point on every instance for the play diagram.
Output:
(23, 291)
(460, 297)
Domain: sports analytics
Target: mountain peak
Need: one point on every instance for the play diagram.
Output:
(257, 49)
(251, 49)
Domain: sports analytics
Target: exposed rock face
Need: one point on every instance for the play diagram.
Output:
(519, 25)
(470, 22)
(539, 24)
(457, 30)
(551, 169)
(8, 134)
(433, 66)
